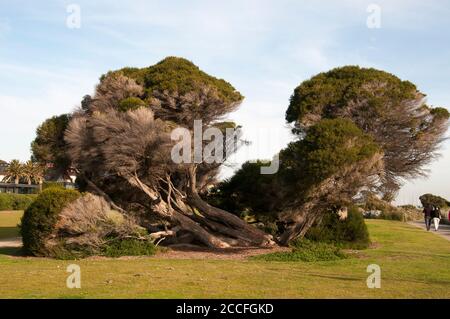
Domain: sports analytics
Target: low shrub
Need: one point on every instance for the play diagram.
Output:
(308, 251)
(5, 202)
(47, 185)
(22, 202)
(349, 233)
(40, 218)
(376, 208)
(129, 247)
(9, 201)
(64, 224)
(392, 216)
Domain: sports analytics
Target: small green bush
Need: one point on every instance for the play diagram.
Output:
(115, 248)
(131, 103)
(10, 201)
(47, 185)
(392, 216)
(38, 221)
(129, 247)
(308, 251)
(22, 202)
(6, 202)
(350, 233)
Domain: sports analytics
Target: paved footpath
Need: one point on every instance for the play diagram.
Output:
(11, 242)
(444, 230)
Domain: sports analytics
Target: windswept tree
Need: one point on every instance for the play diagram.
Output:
(433, 200)
(392, 111)
(121, 145)
(319, 174)
(324, 171)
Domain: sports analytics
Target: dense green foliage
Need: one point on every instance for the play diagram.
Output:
(329, 146)
(247, 191)
(440, 112)
(391, 110)
(49, 146)
(49, 184)
(324, 151)
(307, 251)
(38, 221)
(131, 103)
(328, 92)
(129, 247)
(350, 232)
(15, 201)
(179, 75)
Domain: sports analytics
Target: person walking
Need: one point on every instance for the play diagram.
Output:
(427, 216)
(436, 217)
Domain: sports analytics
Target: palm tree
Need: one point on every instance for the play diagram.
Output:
(33, 172)
(28, 171)
(38, 174)
(14, 171)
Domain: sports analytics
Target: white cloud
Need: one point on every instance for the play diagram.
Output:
(20, 114)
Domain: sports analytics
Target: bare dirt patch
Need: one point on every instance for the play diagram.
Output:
(237, 253)
(196, 252)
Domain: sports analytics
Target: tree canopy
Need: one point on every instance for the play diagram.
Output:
(433, 200)
(120, 141)
(175, 88)
(49, 146)
(391, 110)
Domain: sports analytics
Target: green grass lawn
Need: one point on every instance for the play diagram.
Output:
(414, 264)
(8, 223)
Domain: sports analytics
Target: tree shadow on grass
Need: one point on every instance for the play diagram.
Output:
(12, 251)
(9, 232)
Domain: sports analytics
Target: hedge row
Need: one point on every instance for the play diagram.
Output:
(15, 201)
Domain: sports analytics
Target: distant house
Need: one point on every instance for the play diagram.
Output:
(13, 188)
(3, 166)
(52, 175)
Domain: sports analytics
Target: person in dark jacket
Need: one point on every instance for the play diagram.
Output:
(427, 210)
(436, 217)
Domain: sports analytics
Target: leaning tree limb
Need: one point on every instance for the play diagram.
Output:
(237, 226)
(102, 193)
(161, 208)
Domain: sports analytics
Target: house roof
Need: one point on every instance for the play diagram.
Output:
(3, 166)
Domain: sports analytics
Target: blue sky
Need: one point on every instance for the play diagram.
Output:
(264, 48)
